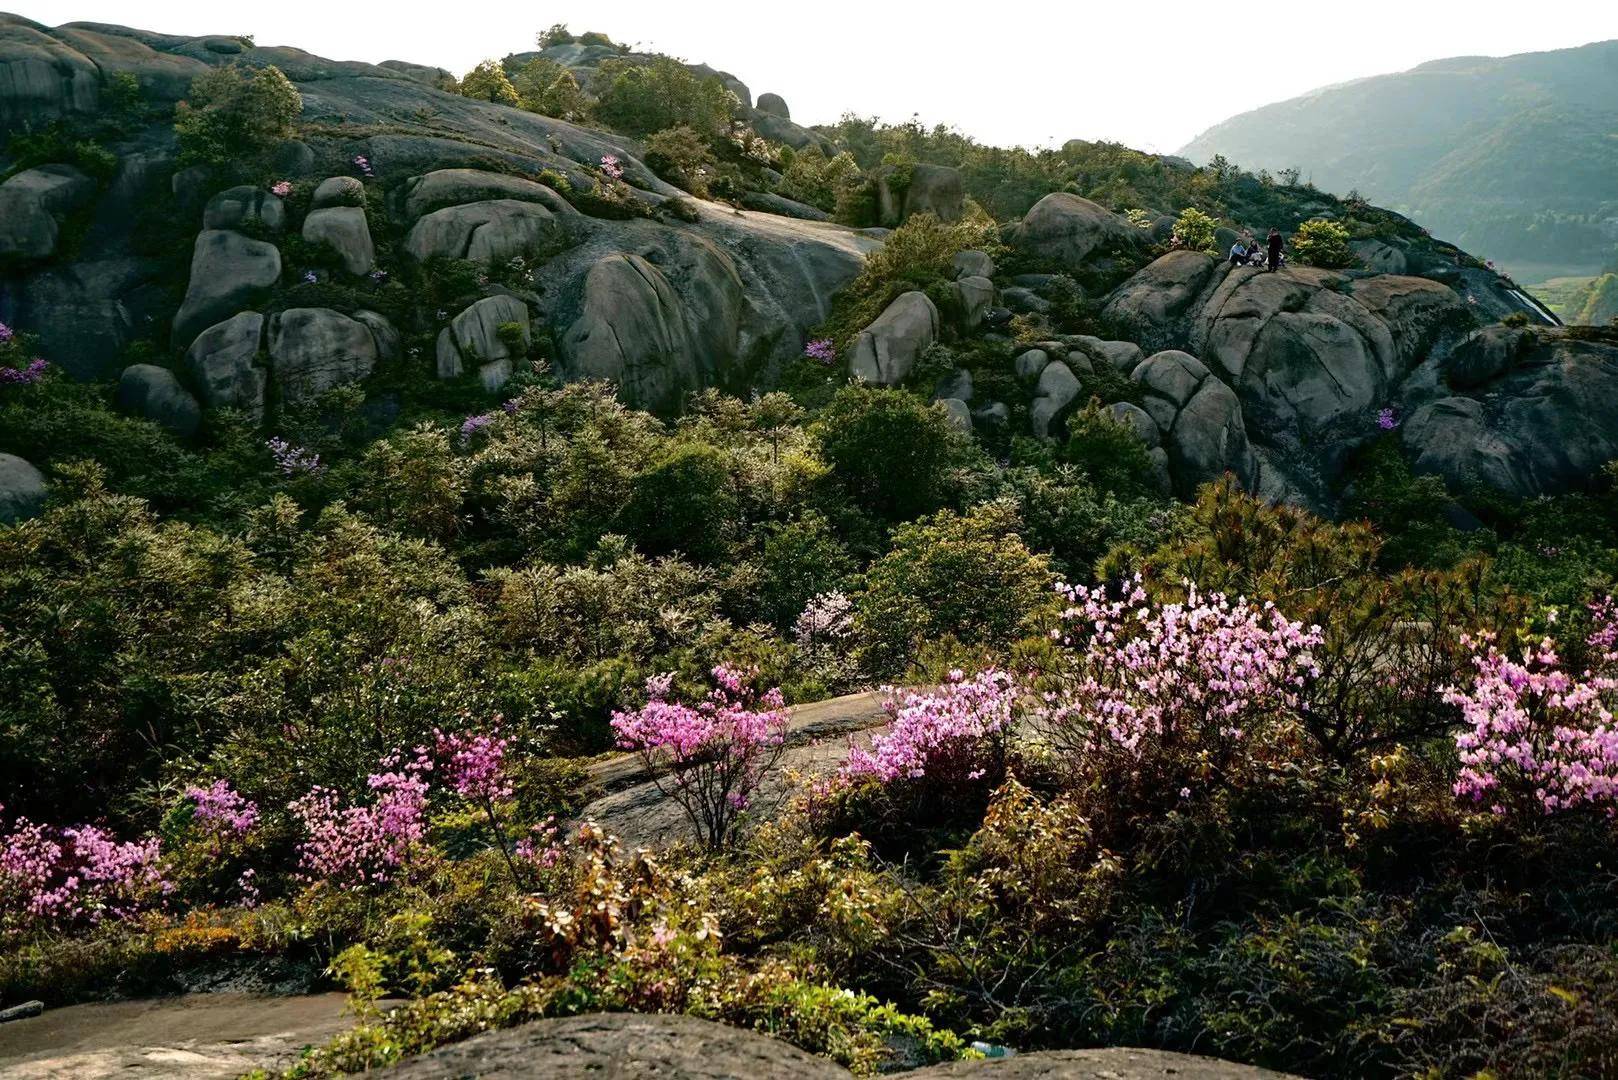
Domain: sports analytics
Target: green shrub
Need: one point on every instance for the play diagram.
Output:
(966, 577)
(1108, 452)
(1195, 230)
(488, 82)
(235, 114)
(683, 502)
(888, 450)
(681, 156)
(916, 255)
(641, 97)
(546, 87)
(813, 178)
(1319, 242)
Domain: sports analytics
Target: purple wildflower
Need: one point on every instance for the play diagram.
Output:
(293, 459)
(1386, 420)
(611, 167)
(821, 349)
(474, 424)
(33, 373)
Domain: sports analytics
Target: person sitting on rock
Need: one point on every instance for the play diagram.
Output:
(1275, 250)
(1238, 253)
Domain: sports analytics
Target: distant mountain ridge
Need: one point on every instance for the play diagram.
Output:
(1513, 157)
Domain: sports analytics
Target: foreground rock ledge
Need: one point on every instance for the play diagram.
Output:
(629, 1045)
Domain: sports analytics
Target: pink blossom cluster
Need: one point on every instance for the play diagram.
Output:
(716, 752)
(59, 877)
(281, 188)
(1533, 732)
(222, 808)
(821, 349)
(363, 164)
(542, 847)
(826, 619)
(611, 167)
(1203, 669)
(24, 376)
(475, 765)
(358, 845)
(6, 334)
(945, 734)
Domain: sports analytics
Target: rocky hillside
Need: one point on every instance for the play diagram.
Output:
(404, 234)
(1510, 157)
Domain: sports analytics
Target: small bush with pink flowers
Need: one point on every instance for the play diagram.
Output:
(710, 757)
(61, 877)
(1535, 736)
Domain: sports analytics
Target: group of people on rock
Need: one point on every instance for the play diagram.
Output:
(1247, 252)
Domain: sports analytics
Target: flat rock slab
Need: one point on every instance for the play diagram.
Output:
(623, 1047)
(1108, 1063)
(626, 1046)
(192, 1037)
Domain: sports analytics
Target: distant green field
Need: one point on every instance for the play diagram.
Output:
(1557, 292)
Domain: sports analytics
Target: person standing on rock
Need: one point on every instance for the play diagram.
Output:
(1275, 250)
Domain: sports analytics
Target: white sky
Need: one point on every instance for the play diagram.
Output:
(1007, 72)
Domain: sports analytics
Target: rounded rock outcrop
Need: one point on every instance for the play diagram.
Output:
(154, 393)
(229, 273)
(886, 350)
(22, 490)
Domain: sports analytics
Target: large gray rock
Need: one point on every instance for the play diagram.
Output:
(455, 187)
(312, 350)
(1154, 307)
(1053, 398)
(154, 393)
(338, 191)
(633, 328)
(774, 105)
(621, 1046)
(1066, 229)
(973, 264)
(1199, 419)
(41, 79)
(1486, 355)
(22, 489)
(32, 204)
(1029, 364)
(958, 413)
(1121, 356)
(1544, 423)
(1137, 419)
(635, 1046)
(88, 310)
(485, 231)
(973, 297)
(243, 206)
(472, 339)
(225, 365)
(229, 273)
(933, 189)
(886, 350)
(344, 230)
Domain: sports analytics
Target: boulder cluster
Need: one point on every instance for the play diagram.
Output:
(1276, 378)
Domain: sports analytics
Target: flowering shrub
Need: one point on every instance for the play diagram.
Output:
(363, 164)
(281, 188)
(474, 424)
(56, 878)
(611, 167)
(474, 767)
(949, 734)
(292, 460)
(222, 808)
(823, 350)
(827, 620)
(1534, 733)
(28, 375)
(716, 752)
(1170, 692)
(1386, 419)
(354, 846)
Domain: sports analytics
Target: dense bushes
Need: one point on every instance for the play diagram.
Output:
(641, 97)
(234, 114)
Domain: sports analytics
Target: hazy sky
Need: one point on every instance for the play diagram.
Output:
(1151, 75)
